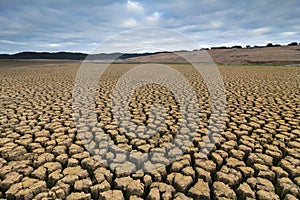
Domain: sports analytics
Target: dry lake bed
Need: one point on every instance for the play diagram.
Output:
(42, 156)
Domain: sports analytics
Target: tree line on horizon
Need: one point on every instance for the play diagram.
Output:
(255, 46)
(111, 56)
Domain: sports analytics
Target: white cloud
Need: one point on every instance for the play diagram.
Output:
(12, 42)
(260, 31)
(129, 23)
(134, 6)
(215, 24)
(154, 18)
(288, 33)
(54, 45)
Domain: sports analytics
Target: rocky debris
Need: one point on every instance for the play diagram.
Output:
(290, 197)
(297, 180)
(54, 177)
(81, 156)
(244, 192)
(5, 141)
(156, 171)
(286, 186)
(189, 171)
(260, 159)
(60, 190)
(200, 190)
(229, 176)
(78, 196)
(75, 149)
(263, 171)
(21, 167)
(245, 147)
(9, 179)
(178, 165)
(91, 163)
(43, 195)
(229, 145)
(238, 154)
(40, 173)
(76, 171)
(207, 165)
(24, 194)
(137, 157)
(159, 158)
(261, 184)
(15, 153)
(266, 195)
(148, 180)
(70, 179)
(97, 189)
(43, 158)
(112, 195)
(217, 158)
(291, 165)
(26, 189)
(135, 188)
(247, 172)
(52, 166)
(59, 150)
(221, 191)
(203, 174)
(181, 196)
(181, 182)
(138, 175)
(123, 169)
(135, 198)
(234, 163)
(123, 182)
(153, 194)
(72, 162)
(62, 159)
(102, 174)
(83, 185)
(5, 170)
(166, 191)
(274, 152)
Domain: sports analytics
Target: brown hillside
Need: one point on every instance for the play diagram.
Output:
(272, 55)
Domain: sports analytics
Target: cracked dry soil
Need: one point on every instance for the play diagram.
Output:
(257, 155)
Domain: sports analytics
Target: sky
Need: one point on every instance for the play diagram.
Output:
(106, 26)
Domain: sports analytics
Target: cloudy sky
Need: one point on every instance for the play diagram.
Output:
(83, 26)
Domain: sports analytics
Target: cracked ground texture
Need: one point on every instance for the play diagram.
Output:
(257, 155)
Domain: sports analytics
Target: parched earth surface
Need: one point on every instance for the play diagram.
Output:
(44, 156)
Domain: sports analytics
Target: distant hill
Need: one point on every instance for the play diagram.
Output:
(262, 55)
(270, 54)
(45, 55)
(73, 56)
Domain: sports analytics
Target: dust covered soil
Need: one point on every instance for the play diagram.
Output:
(257, 155)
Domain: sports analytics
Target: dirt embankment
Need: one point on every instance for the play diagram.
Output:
(267, 55)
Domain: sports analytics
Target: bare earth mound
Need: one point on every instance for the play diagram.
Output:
(256, 157)
(267, 55)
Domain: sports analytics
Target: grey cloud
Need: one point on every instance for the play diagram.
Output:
(74, 25)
